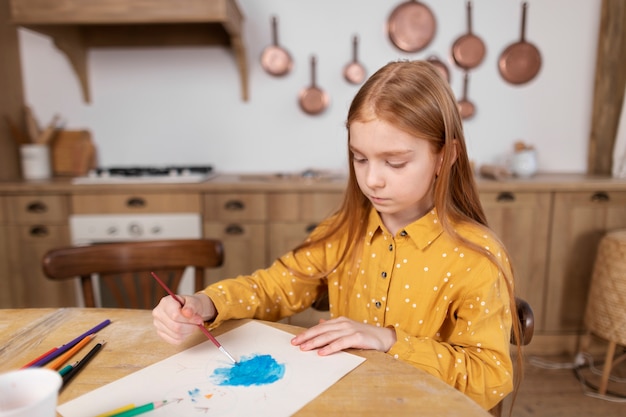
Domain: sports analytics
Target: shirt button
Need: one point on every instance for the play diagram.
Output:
(390, 248)
(378, 304)
(383, 274)
(403, 233)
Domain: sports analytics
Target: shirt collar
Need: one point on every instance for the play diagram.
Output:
(422, 231)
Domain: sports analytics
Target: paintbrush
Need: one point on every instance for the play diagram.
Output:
(204, 330)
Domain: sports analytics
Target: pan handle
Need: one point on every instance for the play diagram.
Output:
(313, 66)
(469, 17)
(355, 47)
(274, 30)
(523, 35)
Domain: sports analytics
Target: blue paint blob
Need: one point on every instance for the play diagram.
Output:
(194, 394)
(250, 370)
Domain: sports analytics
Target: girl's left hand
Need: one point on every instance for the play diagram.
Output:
(341, 333)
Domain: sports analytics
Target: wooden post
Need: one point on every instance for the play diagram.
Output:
(11, 96)
(610, 82)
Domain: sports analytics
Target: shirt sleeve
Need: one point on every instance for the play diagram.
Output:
(471, 351)
(270, 294)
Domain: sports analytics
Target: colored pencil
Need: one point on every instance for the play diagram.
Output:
(58, 362)
(40, 357)
(67, 368)
(139, 410)
(117, 411)
(54, 353)
(82, 363)
(204, 330)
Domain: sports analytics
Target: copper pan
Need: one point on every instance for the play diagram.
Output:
(520, 62)
(466, 107)
(354, 72)
(275, 60)
(411, 26)
(468, 50)
(440, 66)
(313, 100)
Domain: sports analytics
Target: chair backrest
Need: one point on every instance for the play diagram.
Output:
(526, 321)
(124, 268)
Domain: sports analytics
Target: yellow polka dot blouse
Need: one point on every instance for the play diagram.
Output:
(448, 304)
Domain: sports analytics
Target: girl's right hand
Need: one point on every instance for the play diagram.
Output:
(174, 323)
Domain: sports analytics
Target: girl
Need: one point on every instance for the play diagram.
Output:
(408, 262)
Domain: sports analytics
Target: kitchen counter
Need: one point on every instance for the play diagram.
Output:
(268, 182)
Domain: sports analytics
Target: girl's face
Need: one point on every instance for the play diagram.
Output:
(394, 170)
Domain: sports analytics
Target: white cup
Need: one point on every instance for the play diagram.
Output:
(35, 161)
(29, 392)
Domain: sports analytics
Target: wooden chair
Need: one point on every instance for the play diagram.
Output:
(526, 321)
(124, 268)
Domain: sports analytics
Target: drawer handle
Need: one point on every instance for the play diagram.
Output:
(39, 231)
(234, 229)
(234, 205)
(600, 197)
(37, 207)
(136, 202)
(310, 227)
(505, 196)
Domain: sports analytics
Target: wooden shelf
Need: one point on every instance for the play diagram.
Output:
(77, 25)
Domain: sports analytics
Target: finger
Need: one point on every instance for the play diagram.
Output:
(324, 326)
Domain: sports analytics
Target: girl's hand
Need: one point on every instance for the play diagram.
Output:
(174, 323)
(342, 333)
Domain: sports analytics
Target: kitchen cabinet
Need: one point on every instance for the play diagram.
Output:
(78, 25)
(294, 215)
(522, 221)
(37, 223)
(579, 221)
(239, 221)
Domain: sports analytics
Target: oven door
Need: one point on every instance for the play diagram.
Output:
(94, 229)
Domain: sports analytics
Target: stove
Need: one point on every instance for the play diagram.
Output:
(172, 174)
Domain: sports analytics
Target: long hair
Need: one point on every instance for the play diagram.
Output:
(414, 97)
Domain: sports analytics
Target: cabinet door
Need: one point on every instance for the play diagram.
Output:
(521, 221)
(30, 287)
(36, 224)
(244, 247)
(580, 220)
(283, 237)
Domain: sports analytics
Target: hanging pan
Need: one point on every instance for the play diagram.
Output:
(411, 26)
(440, 66)
(520, 62)
(466, 107)
(468, 50)
(354, 72)
(313, 100)
(275, 60)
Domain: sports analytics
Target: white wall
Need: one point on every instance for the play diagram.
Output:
(184, 106)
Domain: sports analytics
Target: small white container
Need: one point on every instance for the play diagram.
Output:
(524, 163)
(35, 161)
(30, 392)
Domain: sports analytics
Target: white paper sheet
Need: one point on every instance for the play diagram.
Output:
(192, 378)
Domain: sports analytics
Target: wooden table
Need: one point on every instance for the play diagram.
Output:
(380, 386)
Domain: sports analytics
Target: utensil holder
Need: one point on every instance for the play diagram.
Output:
(35, 161)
